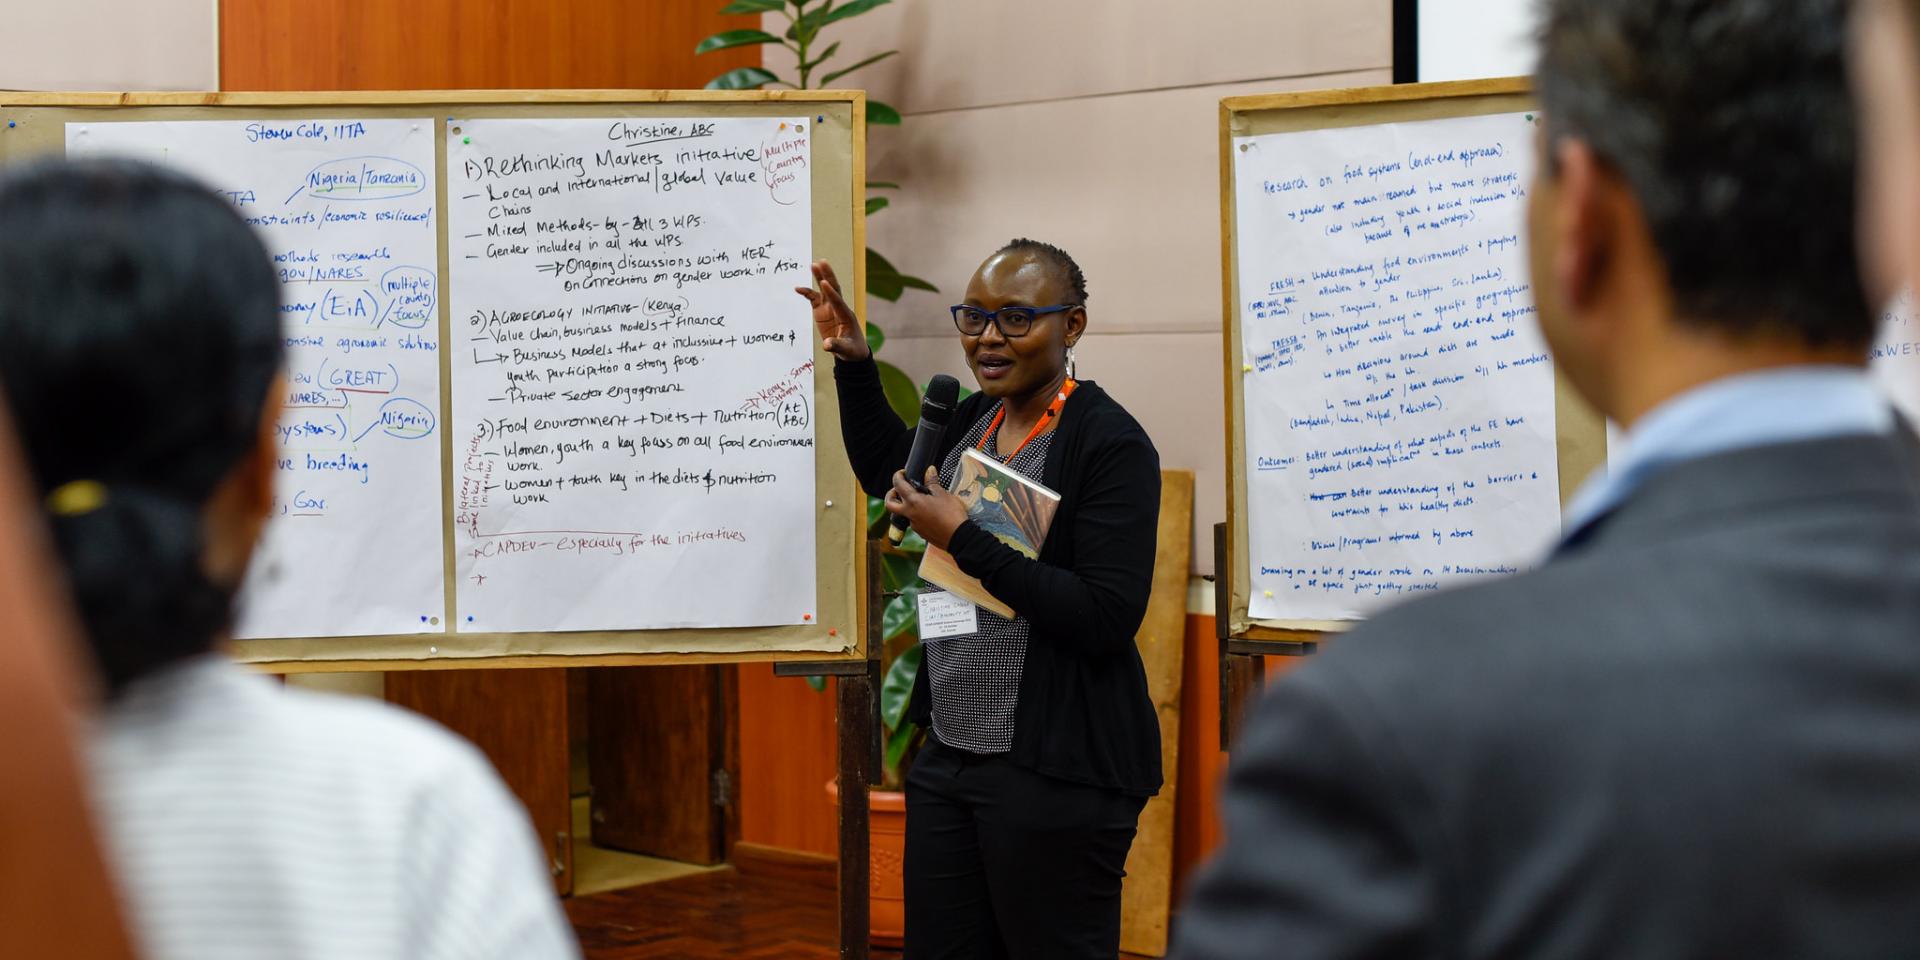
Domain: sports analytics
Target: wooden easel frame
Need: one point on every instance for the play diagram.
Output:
(1243, 642)
(837, 633)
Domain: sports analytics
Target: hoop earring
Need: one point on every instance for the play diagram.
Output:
(1070, 372)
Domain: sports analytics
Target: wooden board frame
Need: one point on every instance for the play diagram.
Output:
(839, 631)
(1581, 431)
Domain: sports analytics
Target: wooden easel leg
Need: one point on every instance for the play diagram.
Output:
(856, 712)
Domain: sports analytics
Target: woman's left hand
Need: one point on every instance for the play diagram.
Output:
(935, 515)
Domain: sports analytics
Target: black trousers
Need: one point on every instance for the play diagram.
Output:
(1003, 862)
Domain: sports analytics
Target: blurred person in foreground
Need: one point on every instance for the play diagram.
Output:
(1692, 732)
(141, 355)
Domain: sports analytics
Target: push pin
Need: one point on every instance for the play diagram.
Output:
(807, 617)
(833, 632)
(829, 504)
(1247, 369)
(433, 649)
(1269, 594)
(466, 139)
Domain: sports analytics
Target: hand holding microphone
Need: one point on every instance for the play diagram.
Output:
(936, 411)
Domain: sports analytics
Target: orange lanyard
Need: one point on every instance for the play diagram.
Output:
(1053, 410)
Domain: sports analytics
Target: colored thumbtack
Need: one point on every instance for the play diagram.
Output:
(423, 618)
(806, 616)
(1247, 369)
(783, 124)
(466, 139)
(469, 618)
(1269, 594)
(820, 119)
(834, 632)
(433, 649)
(11, 124)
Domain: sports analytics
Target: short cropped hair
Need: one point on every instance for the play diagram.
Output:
(1732, 123)
(1069, 270)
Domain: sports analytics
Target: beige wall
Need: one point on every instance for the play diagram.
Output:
(110, 45)
(1074, 122)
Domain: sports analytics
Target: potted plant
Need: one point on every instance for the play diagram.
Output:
(806, 19)
(899, 627)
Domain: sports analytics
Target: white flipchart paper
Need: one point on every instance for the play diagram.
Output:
(1399, 430)
(347, 210)
(1896, 356)
(633, 374)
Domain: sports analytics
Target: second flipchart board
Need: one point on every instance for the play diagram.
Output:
(1395, 423)
(550, 398)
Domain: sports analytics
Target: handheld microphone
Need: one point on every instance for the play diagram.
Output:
(936, 410)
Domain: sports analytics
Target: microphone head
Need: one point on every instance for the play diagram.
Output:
(943, 393)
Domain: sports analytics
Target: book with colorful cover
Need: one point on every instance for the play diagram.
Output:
(1011, 508)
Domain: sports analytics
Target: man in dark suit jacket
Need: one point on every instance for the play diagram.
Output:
(1695, 730)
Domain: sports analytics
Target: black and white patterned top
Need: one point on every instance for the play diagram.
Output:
(976, 677)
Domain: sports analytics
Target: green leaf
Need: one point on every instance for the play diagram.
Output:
(886, 286)
(819, 684)
(902, 395)
(734, 38)
(875, 510)
(879, 264)
(808, 25)
(738, 7)
(854, 9)
(900, 743)
(875, 337)
(882, 185)
(916, 283)
(875, 205)
(880, 113)
(898, 572)
(897, 688)
(914, 543)
(816, 61)
(868, 62)
(744, 78)
(901, 615)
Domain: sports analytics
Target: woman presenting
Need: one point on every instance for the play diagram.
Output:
(1044, 744)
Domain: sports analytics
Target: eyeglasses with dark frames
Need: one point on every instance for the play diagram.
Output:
(1012, 321)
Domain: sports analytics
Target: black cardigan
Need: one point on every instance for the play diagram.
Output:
(1084, 713)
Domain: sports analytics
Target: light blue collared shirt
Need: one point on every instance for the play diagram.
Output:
(1781, 405)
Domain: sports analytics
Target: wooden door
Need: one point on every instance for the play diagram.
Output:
(518, 718)
(664, 761)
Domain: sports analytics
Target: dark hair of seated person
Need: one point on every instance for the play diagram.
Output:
(139, 339)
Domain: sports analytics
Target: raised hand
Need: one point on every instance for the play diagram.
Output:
(841, 333)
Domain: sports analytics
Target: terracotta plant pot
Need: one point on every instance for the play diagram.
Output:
(887, 843)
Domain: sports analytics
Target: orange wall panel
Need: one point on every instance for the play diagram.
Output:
(472, 44)
(787, 755)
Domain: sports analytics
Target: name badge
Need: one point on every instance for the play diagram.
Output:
(945, 615)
